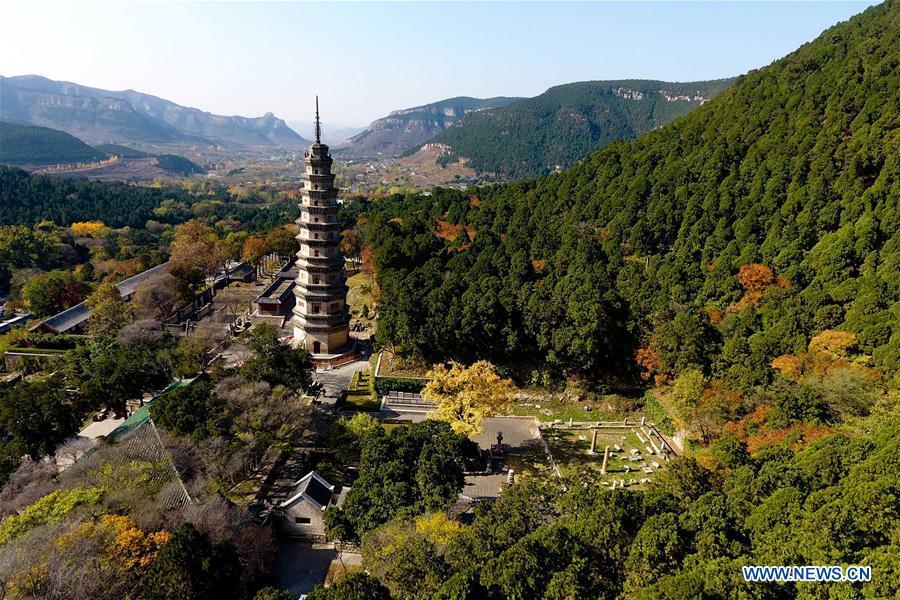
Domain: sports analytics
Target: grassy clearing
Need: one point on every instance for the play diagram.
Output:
(243, 493)
(571, 450)
(338, 569)
(360, 294)
(530, 463)
(551, 410)
(361, 395)
(398, 366)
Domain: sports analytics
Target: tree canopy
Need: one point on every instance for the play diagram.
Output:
(723, 240)
(466, 395)
(410, 469)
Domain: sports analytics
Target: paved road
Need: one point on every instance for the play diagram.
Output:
(338, 379)
(301, 566)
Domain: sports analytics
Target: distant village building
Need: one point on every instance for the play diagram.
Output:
(321, 317)
(303, 513)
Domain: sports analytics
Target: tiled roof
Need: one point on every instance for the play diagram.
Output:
(78, 314)
(128, 286)
(277, 291)
(14, 321)
(312, 488)
(67, 319)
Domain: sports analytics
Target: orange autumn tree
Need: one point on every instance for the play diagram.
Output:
(755, 277)
(836, 343)
(253, 250)
(194, 253)
(132, 547)
(127, 546)
(788, 365)
(648, 361)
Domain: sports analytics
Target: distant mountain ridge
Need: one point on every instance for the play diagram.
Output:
(104, 116)
(406, 128)
(537, 135)
(333, 135)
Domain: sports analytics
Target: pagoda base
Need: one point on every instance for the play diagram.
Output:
(323, 343)
(327, 361)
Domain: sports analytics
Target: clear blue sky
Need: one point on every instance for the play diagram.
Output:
(365, 59)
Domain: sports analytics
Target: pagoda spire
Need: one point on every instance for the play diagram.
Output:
(318, 124)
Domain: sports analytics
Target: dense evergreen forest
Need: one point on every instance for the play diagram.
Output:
(792, 173)
(567, 122)
(28, 145)
(749, 255)
(685, 539)
(26, 199)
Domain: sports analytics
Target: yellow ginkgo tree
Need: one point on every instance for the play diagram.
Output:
(467, 395)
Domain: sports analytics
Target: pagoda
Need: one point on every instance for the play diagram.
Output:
(321, 317)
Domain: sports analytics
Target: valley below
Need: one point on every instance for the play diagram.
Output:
(120, 169)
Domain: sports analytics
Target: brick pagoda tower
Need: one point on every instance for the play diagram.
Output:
(321, 317)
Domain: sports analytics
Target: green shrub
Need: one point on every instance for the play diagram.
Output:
(39, 351)
(658, 415)
(358, 401)
(51, 508)
(383, 385)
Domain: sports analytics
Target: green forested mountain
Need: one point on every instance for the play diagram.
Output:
(796, 168)
(567, 122)
(748, 253)
(122, 151)
(178, 165)
(27, 145)
(406, 128)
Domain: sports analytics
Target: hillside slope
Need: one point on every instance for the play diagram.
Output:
(792, 175)
(27, 145)
(103, 116)
(567, 122)
(407, 128)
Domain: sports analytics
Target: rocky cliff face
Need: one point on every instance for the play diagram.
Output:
(100, 116)
(407, 128)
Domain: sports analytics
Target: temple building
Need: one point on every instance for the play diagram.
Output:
(321, 317)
